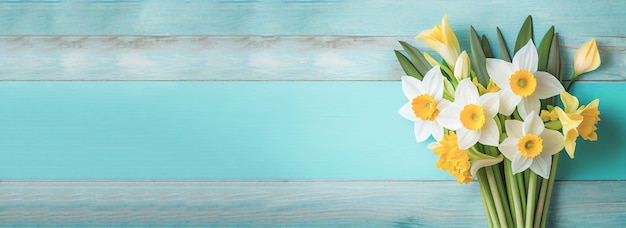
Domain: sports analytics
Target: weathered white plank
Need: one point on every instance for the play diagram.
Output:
(308, 17)
(234, 58)
(307, 203)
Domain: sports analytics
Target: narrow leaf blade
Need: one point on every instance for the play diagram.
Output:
(525, 34)
(504, 51)
(478, 58)
(417, 58)
(407, 66)
(486, 48)
(554, 58)
(544, 49)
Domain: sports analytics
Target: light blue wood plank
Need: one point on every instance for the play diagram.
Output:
(232, 58)
(369, 17)
(293, 204)
(244, 130)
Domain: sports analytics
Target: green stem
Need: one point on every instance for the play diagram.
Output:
(522, 190)
(571, 82)
(512, 182)
(493, 151)
(502, 217)
(540, 202)
(531, 200)
(546, 204)
(482, 181)
(482, 193)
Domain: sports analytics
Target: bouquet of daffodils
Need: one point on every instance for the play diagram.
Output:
(498, 119)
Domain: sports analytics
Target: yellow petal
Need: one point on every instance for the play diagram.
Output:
(569, 101)
(587, 58)
(450, 37)
(442, 39)
(591, 116)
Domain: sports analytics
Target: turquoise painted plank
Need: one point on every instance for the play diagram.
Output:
(368, 17)
(292, 204)
(233, 58)
(244, 131)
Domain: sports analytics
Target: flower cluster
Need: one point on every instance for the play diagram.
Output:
(510, 105)
(481, 110)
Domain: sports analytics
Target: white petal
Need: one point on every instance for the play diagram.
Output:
(521, 164)
(467, 138)
(526, 58)
(533, 124)
(541, 165)
(476, 165)
(449, 117)
(553, 141)
(489, 134)
(508, 147)
(527, 105)
(500, 71)
(490, 103)
(407, 112)
(433, 145)
(436, 131)
(443, 104)
(412, 87)
(514, 128)
(466, 93)
(433, 82)
(508, 101)
(547, 85)
(421, 131)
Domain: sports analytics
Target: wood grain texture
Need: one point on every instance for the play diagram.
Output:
(235, 58)
(294, 204)
(245, 130)
(579, 18)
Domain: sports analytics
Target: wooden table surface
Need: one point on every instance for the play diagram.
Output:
(266, 113)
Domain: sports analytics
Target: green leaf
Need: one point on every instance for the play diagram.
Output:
(525, 34)
(486, 48)
(418, 59)
(554, 58)
(554, 64)
(504, 51)
(479, 60)
(544, 49)
(407, 66)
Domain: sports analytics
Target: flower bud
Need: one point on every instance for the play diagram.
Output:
(587, 58)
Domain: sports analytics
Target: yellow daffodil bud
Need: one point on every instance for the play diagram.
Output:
(587, 58)
(443, 40)
(431, 60)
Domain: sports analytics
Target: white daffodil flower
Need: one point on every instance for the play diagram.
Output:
(425, 102)
(520, 83)
(531, 145)
(472, 116)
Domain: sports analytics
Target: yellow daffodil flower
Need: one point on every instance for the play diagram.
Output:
(425, 102)
(587, 58)
(462, 164)
(522, 85)
(569, 122)
(577, 121)
(472, 116)
(530, 145)
(443, 40)
(452, 159)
